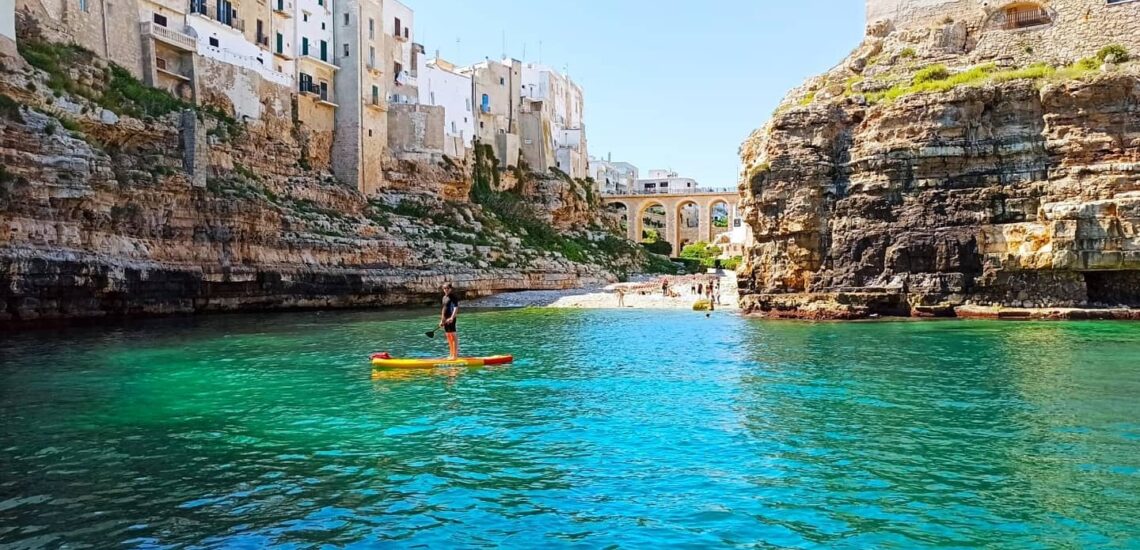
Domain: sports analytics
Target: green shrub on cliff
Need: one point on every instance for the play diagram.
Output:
(1114, 53)
(932, 73)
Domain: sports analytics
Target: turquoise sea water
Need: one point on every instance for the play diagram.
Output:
(626, 428)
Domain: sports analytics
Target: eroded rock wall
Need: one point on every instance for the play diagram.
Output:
(1017, 193)
(98, 218)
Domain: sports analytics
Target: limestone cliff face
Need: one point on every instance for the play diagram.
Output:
(1013, 192)
(99, 217)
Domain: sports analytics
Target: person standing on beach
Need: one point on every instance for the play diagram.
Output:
(447, 319)
(664, 287)
(620, 296)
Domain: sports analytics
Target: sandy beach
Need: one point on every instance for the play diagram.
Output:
(641, 293)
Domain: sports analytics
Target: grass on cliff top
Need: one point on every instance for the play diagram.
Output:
(119, 92)
(937, 78)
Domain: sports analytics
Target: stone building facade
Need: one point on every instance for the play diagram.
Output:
(110, 29)
(361, 115)
(1054, 31)
(497, 89)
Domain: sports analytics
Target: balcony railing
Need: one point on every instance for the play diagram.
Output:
(283, 8)
(1023, 17)
(169, 36)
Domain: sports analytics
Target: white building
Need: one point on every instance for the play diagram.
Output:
(221, 36)
(401, 52)
(613, 178)
(562, 104)
(440, 83)
(665, 181)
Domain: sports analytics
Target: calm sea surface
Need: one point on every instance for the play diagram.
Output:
(625, 428)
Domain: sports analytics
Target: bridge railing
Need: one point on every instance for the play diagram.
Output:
(689, 191)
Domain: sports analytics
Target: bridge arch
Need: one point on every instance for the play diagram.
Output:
(688, 221)
(664, 212)
(653, 217)
(720, 218)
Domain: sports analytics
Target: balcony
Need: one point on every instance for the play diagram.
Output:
(169, 36)
(263, 41)
(1022, 16)
(283, 55)
(283, 8)
(238, 24)
(319, 62)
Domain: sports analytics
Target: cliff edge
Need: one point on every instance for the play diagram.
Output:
(927, 176)
(120, 200)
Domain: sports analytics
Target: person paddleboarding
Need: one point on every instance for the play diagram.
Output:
(447, 319)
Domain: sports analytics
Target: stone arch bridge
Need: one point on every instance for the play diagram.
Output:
(637, 206)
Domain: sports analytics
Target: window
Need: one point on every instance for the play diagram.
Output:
(305, 45)
(375, 95)
(324, 91)
(324, 50)
(432, 98)
(280, 43)
(371, 29)
(346, 19)
(407, 32)
(305, 17)
(468, 101)
(83, 5)
(320, 2)
(214, 41)
(346, 54)
(371, 56)
(453, 128)
(370, 133)
(306, 82)
(159, 20)
(224, 12)
(322, 25)
(397, 69)
(480, 123)
(502, 81)
(196, 6)
(397, 31)
(486, 105)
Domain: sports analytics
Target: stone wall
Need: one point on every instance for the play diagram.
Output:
(415, 129)
(1078, 28)
(112, 34)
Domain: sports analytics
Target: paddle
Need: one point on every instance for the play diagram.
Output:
(431, 333)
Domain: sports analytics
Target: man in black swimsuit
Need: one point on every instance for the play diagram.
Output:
(447, 319)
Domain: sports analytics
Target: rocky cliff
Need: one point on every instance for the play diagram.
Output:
(104, 212)
(914, 180)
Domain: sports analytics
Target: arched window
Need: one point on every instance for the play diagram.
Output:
(1020, 15)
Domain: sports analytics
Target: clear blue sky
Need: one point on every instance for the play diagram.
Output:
(668, 84)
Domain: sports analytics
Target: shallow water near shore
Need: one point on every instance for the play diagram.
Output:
(632, 428)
